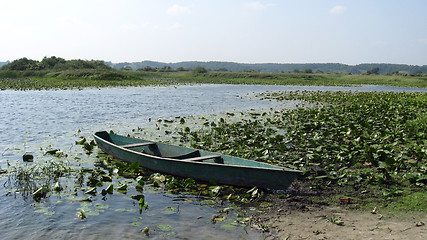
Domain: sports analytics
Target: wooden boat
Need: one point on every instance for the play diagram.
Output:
(196, 164)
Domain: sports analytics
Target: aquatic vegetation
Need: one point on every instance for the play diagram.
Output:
(353, 133)
(146, 231)
(165, 228)
(354, 139)
(37, 180)
(47, 82)
(39, 208)
(91, 187)
(108, 190)
(88, 146)
(81, 214)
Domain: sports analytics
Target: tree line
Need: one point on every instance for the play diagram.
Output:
(370, 68)
(53, 63)
(59, 64)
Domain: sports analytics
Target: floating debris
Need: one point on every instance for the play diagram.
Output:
(420, 224)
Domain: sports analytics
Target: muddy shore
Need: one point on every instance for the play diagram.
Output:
(298, 217)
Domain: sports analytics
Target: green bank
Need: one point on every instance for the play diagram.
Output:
(57, 73)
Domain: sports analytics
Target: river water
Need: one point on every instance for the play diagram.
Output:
(30, 120)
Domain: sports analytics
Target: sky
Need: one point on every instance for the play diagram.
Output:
(271, 31)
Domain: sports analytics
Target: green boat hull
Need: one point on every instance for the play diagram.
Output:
(196, 164)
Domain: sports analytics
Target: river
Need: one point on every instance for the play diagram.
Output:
(33, 121)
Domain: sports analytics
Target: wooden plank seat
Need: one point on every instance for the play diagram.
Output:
(138, 144)
(191, 154)
(217, 158)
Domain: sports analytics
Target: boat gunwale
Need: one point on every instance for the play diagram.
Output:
(274, 168)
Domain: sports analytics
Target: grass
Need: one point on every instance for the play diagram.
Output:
(83, 78)
(299, 79)
(413, 201)
(401, 81)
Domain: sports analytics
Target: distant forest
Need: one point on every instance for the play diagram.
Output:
(368, 68)
(52, 63)
(376, 68)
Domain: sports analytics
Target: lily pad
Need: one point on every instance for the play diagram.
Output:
(45, 211)
(228, 227)
(121, 210)
(93, 212)
(170, 210)
(125, 210)
(164, 227)
(101, 206)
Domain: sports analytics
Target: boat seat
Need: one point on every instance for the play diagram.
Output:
(192, 154)
(137, 144)
(217, 158)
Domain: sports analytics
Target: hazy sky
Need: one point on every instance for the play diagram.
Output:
(272, 31)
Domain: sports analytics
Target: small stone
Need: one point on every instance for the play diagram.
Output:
(28, 157)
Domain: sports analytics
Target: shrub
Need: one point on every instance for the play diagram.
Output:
(200, 69)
